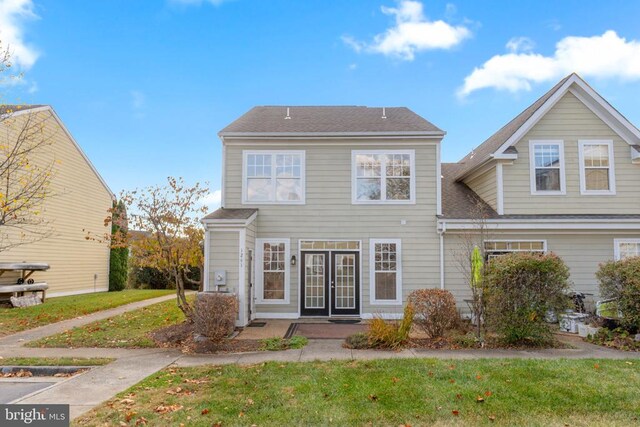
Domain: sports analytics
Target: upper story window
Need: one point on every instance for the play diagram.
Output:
(597, 175)
(547, 167)
(273, 177)
(381, 176)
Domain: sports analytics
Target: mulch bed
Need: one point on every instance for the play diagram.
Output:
(181, 336)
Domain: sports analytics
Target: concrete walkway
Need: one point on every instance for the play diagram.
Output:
(88, 390)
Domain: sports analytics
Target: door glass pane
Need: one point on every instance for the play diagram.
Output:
(314, 281)
(345, 281)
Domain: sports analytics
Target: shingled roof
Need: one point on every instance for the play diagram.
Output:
(230, 214)
(458, 200)
(483, 152)
(327, 120)
(12, 108)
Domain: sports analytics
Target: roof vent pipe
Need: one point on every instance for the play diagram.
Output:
(288, 116)
(384, 113)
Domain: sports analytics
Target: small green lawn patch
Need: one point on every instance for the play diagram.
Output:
(127, 330)
(14, 320)
(279, 343)
(54, 361)
(384, 392)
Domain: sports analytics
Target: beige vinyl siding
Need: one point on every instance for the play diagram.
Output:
(329, 214)
(484, 186)
(78, 206)
(570, 120)
(581, 252)
(224, 255)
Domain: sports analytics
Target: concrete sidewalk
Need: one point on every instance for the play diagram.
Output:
(133, 365)
(55, 328)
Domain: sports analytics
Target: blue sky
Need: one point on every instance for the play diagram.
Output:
(144, 86)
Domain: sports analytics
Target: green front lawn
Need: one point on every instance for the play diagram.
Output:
(384, 392)
(128, 330)
(54, 361)
(14, 320)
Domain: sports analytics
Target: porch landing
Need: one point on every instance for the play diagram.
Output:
(317, 328)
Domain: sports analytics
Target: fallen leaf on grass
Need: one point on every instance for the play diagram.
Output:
(455, 412)
(480, 399)
(164, 409)
(127, 401)
(373, 397)
(452, 380)
(142, 421)
(487, 393)
(205, 411)
(129, 415)
(458, 396)
(492, 417)
(596, 366)
(395, 379)
(478, 377)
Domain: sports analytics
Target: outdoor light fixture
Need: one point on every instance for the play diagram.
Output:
(293, 260)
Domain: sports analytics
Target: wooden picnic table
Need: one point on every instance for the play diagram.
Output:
(24, 282)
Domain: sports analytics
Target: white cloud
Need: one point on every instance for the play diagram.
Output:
(520, 44)
(604, 56)
(212, 200)
(412, 33)
(13, 15)
(353, 66)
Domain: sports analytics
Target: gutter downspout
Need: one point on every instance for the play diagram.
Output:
(441, 232)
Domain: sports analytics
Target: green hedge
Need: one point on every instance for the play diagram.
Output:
(521, 289)
(621, 280)
(118, 265)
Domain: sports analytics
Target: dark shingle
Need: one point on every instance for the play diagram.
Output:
(483, 152)
(458, 200)
(223, 213)
(13, 108)
(328, 120)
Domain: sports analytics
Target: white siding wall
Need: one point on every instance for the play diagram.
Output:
(570, 120)
(329, 214)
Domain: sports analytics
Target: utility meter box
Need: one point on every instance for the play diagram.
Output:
(220, 278)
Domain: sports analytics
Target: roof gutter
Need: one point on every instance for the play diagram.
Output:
(226, 135)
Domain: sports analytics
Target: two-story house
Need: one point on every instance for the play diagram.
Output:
(563, 176)
(326, 211)
(343, 211)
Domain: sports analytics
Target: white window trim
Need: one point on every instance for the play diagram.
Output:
(259, 271)
(273, 153)
(372, 275)
(616, 246)
(532, 167)
(612, 173)
(544, 243)
(383, 188)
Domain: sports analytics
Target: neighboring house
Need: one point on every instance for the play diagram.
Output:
(563, 176)
(343, 211)
(77, 208)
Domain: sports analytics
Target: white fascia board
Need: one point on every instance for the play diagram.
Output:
(548, 224)
(592, 100)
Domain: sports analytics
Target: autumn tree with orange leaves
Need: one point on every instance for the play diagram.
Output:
(169, 236)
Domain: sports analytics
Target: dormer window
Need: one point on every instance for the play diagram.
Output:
(547, 167)
(597, 176)
(273, 177)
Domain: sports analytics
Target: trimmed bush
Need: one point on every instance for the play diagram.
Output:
(359, 340)
(119, 256)
(149, 278)
(389, 334)
(521, 289)
(215, 315)
(620, 280)
(435, 311)
(118, 261)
